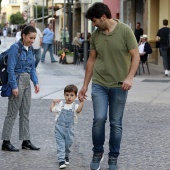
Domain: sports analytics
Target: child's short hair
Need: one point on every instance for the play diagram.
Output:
(71, 88)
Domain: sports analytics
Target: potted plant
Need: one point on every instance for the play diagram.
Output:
(66, 56)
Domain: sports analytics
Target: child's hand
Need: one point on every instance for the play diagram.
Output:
(56, 101)
(81, 101)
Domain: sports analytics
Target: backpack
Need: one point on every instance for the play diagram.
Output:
(3, 65)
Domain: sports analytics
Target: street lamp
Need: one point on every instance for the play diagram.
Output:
(85, 48)
(52, 14)
(70, 3)
(36, 2)
(64, 38)
(43, 13)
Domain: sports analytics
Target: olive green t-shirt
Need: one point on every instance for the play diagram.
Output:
(113, 58)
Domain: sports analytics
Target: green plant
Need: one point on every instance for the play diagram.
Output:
(17, 18)
(66, 51)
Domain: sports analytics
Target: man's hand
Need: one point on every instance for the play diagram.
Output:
(82, 94)
(127, 84)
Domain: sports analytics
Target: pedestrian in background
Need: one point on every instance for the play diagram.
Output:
(138, 31)
(20, 71)
(112, 64)
(18, 34)
(37, 43)
(144, 48)
(162, 37)
(66, 115)
(5, 31)
(48, 40)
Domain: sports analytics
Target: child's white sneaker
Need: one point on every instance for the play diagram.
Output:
(67, 160)
(62, 165)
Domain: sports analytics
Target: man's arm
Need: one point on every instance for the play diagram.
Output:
(88, 74)
(127, 83)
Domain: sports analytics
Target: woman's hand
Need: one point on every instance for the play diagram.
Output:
(15, 92)
(37, 88)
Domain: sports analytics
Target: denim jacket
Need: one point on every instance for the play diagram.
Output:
(23, 63)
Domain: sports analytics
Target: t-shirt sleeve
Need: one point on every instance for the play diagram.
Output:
(131, 42)
(76, 107)
(92, 45)
(158, 33)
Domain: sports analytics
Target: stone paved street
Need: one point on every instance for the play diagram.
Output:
(146, 124)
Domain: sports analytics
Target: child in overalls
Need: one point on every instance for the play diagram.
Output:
(66, 116)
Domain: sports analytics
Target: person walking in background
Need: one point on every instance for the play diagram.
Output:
(162, 37)
(144, 48)
(18, 34)
(5, 31)
(20, 70)
(112, 64)
(66, 116)
(48, 40)
(37, 43)
(138, 31)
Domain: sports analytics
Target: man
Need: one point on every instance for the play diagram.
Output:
(76, 46)
(138, 31)
(48, 40)
(144, 48)
(76, 40)
(162, 37)
(37, 44)
(113, 61)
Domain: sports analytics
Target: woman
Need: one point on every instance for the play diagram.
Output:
(20, 70)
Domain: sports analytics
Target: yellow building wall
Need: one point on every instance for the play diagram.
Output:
(11, 10)
(158, 10)
(164, 11)
(153, 19)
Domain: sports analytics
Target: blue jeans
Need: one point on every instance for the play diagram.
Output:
(164, 54)
(47, 47)
(37, 53)
(115, 99)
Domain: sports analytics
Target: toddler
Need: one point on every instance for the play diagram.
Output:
(66, 115)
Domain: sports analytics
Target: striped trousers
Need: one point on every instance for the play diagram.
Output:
(21, 104)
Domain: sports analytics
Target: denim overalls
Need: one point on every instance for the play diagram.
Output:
(64, 132)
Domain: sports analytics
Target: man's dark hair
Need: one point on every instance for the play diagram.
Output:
(138, 23)
(71, 88)
(165, 22)
(97, 10)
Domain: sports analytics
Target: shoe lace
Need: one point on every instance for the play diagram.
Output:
(112, 160)
(97, 158)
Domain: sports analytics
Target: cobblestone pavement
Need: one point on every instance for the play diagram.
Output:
(145, 144)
